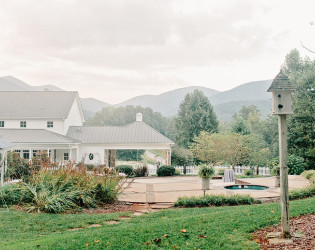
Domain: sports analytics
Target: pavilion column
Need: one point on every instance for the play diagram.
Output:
(168, 157)
(112, 158)
(106, 157)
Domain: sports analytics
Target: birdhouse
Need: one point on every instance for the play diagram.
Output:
(281, 90)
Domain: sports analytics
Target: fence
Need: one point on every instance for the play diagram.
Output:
(193, 170)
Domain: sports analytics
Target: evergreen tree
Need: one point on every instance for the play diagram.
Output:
(195, 114)
(301, 73)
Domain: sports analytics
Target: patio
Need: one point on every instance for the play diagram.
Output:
(168, 189)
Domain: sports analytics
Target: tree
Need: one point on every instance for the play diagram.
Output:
(301, 137)
(195, 114)
(240, 126)
(129, 155)
(233, 149)
(181, 157)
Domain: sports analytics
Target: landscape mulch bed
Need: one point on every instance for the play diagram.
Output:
(304, 224)
(117, 207)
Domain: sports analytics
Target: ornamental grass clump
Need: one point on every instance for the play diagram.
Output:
(206, 171)
(56, 190)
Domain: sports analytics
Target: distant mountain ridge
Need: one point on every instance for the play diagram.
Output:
(225, 103)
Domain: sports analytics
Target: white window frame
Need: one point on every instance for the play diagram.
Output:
(26, 152)
(66, 156)
(50, 124)
(23, 124)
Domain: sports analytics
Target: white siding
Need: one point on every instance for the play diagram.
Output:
(36, 124)
(74, 117)
(97, 151)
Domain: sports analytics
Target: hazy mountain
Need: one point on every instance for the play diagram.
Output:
(226, 110)
(10, 83)
(91, 106)
(167, 103)
(225, 103)
(249, 91)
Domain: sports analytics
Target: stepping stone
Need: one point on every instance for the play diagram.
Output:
(75, 228)
(143, 211)
(112, 222)
(94, 225)
(280, 240)
(274, 234)
(137, 214)
(124, 218)
(161, 206)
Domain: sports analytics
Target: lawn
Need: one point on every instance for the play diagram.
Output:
(206, 228)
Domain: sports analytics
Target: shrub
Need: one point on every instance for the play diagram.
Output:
(18, 167)
(11, 194)
(126, 169)
(302, 193)
(310, 175)
(214, 200)
(56, 191)
(141, 171)
(221, 171)
(177, 172)
(205, 171)
(166, 171)
(296, 164)
(248, 172)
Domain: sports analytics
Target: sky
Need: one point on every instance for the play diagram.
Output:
(115, 50)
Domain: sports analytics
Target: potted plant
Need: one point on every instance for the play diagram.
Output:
(205, 173)
(275, 171)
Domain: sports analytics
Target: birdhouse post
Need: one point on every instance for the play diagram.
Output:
(282, 89)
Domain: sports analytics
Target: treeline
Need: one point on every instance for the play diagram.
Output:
(247, 139)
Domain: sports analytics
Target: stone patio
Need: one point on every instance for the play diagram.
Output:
(168, 189)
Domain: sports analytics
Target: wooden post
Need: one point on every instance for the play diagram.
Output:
(284, 193)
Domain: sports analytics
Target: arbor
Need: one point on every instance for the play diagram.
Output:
(195, 114)
(301, 137)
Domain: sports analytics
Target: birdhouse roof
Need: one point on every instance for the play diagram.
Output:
(281, 82)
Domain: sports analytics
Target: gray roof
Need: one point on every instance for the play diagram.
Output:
(281, 82)
(41, 136)
(134, 133)
(36, 104)
(5, 144)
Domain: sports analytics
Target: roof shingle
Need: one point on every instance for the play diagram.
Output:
(36, 104)
(136, 132)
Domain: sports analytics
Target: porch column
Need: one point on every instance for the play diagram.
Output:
(70, 154)
(168, 157)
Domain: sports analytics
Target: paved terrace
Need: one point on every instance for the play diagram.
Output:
(168, 189)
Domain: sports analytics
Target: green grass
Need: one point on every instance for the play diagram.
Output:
(225, 228)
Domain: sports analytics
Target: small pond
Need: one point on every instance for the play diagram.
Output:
(246, 187)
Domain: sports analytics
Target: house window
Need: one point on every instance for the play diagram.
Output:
(22, 124)
(50, 124)
(26, 154)
(66, 156)
(36, 153)
(1, 124)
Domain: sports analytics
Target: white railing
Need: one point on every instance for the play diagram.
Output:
(193, 170)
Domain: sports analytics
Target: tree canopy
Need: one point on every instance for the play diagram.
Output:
(195, 114)
(301, 72)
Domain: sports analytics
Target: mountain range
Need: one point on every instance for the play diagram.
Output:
(225, 103)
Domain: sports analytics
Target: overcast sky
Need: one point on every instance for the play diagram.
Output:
(115, 50)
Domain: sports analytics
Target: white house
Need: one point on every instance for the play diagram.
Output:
(53, 121)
